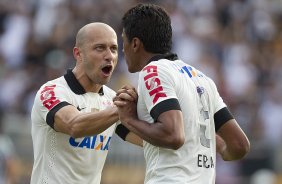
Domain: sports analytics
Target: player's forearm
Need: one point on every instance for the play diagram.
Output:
(231, 152)
(228, 155)
(87, 124)
(155, 134)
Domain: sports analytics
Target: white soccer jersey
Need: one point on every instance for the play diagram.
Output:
(59, 158)
(161, 83)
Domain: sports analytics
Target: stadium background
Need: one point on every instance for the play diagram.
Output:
(238, 43)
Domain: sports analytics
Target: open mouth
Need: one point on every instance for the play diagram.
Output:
(107, 69)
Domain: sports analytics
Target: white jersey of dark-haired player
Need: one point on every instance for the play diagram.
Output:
(160, 83)
(58, 157)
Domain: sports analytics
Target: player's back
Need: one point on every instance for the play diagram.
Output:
(195, 93)
(194, 162)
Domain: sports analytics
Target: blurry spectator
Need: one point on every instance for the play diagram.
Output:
(15, 31)
(8, 168)
(263, 176)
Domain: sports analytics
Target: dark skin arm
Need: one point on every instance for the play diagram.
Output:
(231, 141)
(167, 132)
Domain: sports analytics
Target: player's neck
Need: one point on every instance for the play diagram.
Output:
(85, 82)
(147, 56)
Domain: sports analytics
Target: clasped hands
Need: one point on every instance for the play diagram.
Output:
(126, 100)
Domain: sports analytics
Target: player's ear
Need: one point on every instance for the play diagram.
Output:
(76, 53)
(136, 44)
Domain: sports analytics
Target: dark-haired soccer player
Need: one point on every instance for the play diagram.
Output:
(180, 114)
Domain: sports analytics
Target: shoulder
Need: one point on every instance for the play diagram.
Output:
(58, 82)
(155, 66)
(58, 86)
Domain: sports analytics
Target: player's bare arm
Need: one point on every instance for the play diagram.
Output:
(68, 120)
(167, 132)
(128, 136)
(231, 141)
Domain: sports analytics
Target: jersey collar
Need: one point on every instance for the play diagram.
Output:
(169, 56)
(74, 84)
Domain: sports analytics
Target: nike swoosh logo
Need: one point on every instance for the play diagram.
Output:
(78, 108)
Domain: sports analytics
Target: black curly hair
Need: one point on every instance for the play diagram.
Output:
(151, 24)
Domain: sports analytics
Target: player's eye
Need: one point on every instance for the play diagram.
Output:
(99, 47)
(114, 49)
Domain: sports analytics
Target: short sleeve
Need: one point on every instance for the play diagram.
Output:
(157, 87)
(222, 113)
(217, 99)
(49, 99)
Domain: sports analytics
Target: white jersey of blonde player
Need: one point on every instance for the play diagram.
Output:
(161, 84)
(58, 157)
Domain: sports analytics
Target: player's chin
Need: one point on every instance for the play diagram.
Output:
(131, 70)
(105, 79)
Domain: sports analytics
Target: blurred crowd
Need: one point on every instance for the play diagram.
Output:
(238, 43)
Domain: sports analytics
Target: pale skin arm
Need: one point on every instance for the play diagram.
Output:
(167, 132)
(231, 141)
(68, 120)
